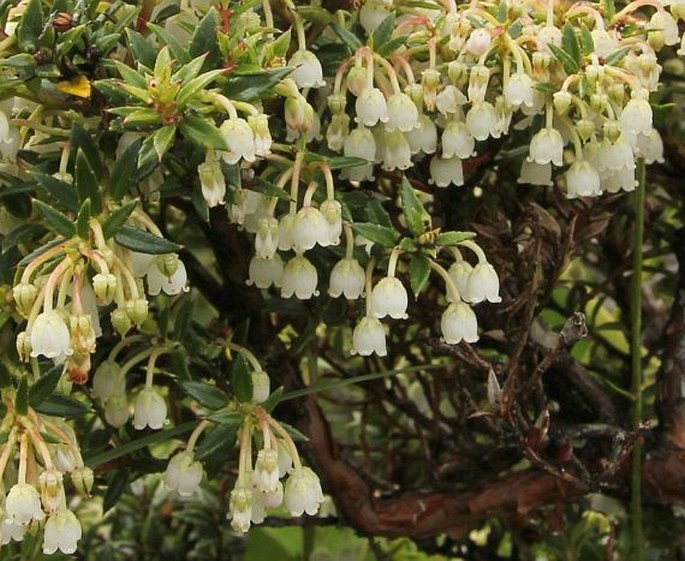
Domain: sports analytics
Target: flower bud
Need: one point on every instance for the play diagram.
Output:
(121, 321)
(266, 470)
(104, 286)
(108, 380)
(308, 72)
(337, 131)
(212, 182)
(116, 410)
(299, 115)
(266, 241)
(562, 101)
(23, 346)
(51, 489)
(82, 333)
(261, 386)
(262, 135)
(24, 295)
(137, 310)
(430, 80)
(356, 80)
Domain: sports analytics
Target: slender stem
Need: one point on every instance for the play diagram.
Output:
(636, 332)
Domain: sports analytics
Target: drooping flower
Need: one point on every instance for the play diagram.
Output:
(150, 410)
(547, 146)
(299, 278)
(265, 272)
(535, 174)
(62, 531)
(23, 504)
(308, 72)
(371, 107)
(347, 277)
(167, 274)
(183, 474)
(50, 336)
(446, 171)
(402, 113)
(482, 121)
(212, 182)
(459, 323)
(368, 337)
(240, 140)
(240, 508)
(389, 298)
(261, 386)
(483, 284)
(265, 474)
(303, 492)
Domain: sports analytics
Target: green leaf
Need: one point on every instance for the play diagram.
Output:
(30, 26)
(124, 172)
(186, 93)
(570, 44)
(281, 45)
(142, 50)
(350, 39)
(292, 431)
(45, 385)
(83, 220)
(206, 395)
(163, 139)
(267, 188)
(142, 118)
(383, 32)
(116, 486)
(419, 272)
(567, 61)
(24, 233)
(227, 417)
(178, 51)
(204, 39)
(162, 70)
(222, 436)
(273, 400)
(453, 238)
(21, 402)
(251, 87)
(418, 219)
(130, 76)
(241, 378)
(502, 11)
(143, 241)
(57, 221)
(587, 43)
(86, 183)
(376, 213)
(391, 46)
(336, 162)
(40, 250)
(381, 235)
(203, 133)
(147, 155)
(60, 405)
(59, 191)
(189, 71)
(81, 139)
(118, 218)
(617, 56)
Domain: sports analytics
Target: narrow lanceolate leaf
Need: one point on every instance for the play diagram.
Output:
(419, 272)
(383, 32)
(241, 378)
(189, 71)
(179, 52)
(143, 51)
(617, 56)
(30, 26)
(221, 437)
(382, 235)
(83, 220)
(195, 85)
(249, 87)
(453, 238)
(418, 219)
(567, 61)
(125, 170)
(86, 183)
(163, 139)
(59, 191)
(203, 133)
(130, 76)
(45, 385)
(118, 218)
(143, 241)
(206, 395)
(350, 39)
(57, 221)
(81, 139)
(570, 44)
(204, 38)
(226, 417)
(22, 400)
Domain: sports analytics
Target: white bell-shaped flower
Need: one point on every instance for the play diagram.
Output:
(273, 499)
(389, 298)
(23, 505)
(303, 492)
(337, 132)
(636, 117)
(262, 135)
(373, 12)
(171, 284)
(459, 323)
(299, 278)
(183, 474)
(449, 100)
(482, 121)
(360, 143)
(457, 140)
(212, 182)
(396, 151)
(446, 171)
(11, 531)
(266, 239)
(50, 336)
(265, 474)
(424, 138)
(62, 531)
(614, 180)
(549, 35)
(650, 146)
(347, 277)
(240, 140)
(240, 508)
(150, 410)
(368, 337)
(309, 228)
(402, 113)
(308, 72)
(605, 42)
(666, 25)
(331, 210)
(535, 174)
(459, 272)
(519, 90)
(582, 180)
(483, 284)
(371, 107)
(547, 146)
(265, 272)
(478, 42)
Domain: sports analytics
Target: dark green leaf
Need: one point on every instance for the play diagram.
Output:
(383, 32)
(30, 26)
(586, 41)
(267, 188)
(391, 46)
(142, 118)
(209, 396)
(81, 139)
(273, 400)
(39, 251)
(124, 172)
(251, 87)
(116, 487)
(222, 436)
(60, 405)
(163, 139)
(567, 61)
(184, 315)
(189, 71)
(203, 133)
(57, 221)
(292, 431)
(453, 238)
(130, 76)
(118, 218)
(59, 191)
(142, 50)
(617, 56)
(186, 93)
(83, 220)
(204, 38)
(22, 234)
(45, 385)
(570, 44)
(381, 235)
(227, 417)
(21, 402)
(419, 272)
(179, 52)
(147, 155)
(418, 219)
(143, 241)
(350, 39)
(86, 183)
(241, 378)
(376, 213)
